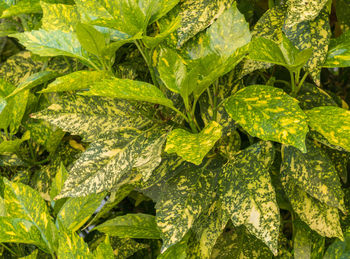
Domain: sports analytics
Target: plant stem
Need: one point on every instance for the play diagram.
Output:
(292, 79)
(301, 82)
(148, 62)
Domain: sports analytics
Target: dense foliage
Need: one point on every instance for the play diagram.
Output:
(174, 129)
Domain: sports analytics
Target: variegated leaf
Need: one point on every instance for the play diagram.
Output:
(107, 163)
(239, 243)
(342, 8)
(131, 226)
(72, 246)
(104, 250)
(23, 202)
(12, 146)
(339, 249)
(78, 80)
(248, 195)
(333, 123)
(125, 247)
(269, 26)
(22, 7)
(92, 40)
(193, 147)
(130, 17)
(317, 215)
(269, 113)
(129, 90)
(58, 181)
(339, 51)
(315, 35)
(311, 96)
(184, 197)
(59, 17)
(76, 211)
(197, 15)
(16, 230)
(314, 173)
(54, 43)
(92, 117)
(303, 10)
(178, 251)
(206, 230)
(33, 255)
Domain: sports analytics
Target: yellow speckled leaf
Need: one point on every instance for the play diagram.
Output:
(314, 173)
(315, 35)
(317, 215)
(193, 147)
(59, 17)
(303, 10)
(72, 246)
(269, 113)
(248, 195)
(339, 51)
(333, 123)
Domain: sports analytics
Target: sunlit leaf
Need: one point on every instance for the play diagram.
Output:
(339, 51)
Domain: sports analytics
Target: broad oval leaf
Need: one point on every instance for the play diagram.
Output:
(339, 52)
(90, 39)
(78, 80)
(131, 226)
(269, 113)
(129, 90)
(76, 211)
(193, 147)
(248, 195)
(333, 123)
(314, 173)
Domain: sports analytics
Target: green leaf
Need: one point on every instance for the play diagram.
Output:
(59, 17)
(183, 198)
(16, 230)
(130, 17)
(58, 181)
(131, 226)
(239, 243)
(72, 246)
(33, 255)
(198, 15)
(317, 215)
(25, 203)
(193, 147)
(315, 35)
(342, 8)
(129, 90)
(339, 51)
(177, 251)
(285, 54)
(22, 7)
(339, 249)
(2, 104)
(269, 113)
(53, 43)
(33, 81)
(314, 173)
(104, 250)
(78, 80)
(333, 123)
(12, 146)
(123, 248)
(248, 195)
(307, 243)
(90, 39)
(76, 211)
(92, 117)
(304, 10)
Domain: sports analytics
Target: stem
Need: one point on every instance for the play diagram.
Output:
(292, 81)
(180, 113)
(271, 4)
(147, 60)
(283, 82)
(301, 82)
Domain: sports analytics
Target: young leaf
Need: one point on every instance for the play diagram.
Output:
(104, 250)
(315, 35)
(12, 146)
(90, 39)
(303, 10)
(16, 230)
(193, 147)
(76, 211)
(333, 123)
(182, 200)
(59, 17)
(72, 246)
(25, 203)
(339, 52)
(58, 181)
(78, 80)
(131, 226)
(317, 215)
(129, 90)
(197, 15)
(314, 173)
(269, 113)
(248, 195)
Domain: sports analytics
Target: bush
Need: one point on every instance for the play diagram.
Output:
(174, 129)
